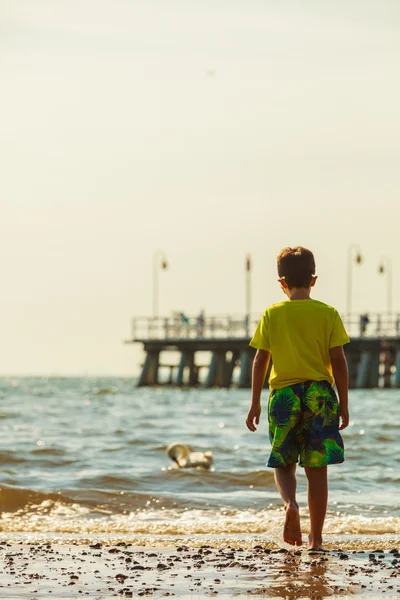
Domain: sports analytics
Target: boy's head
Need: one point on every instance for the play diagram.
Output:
(296, 268)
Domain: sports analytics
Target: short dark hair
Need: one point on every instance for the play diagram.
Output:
(297, 266)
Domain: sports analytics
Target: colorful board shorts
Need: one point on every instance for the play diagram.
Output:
(304, 421)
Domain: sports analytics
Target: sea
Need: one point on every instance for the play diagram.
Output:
(85, 459)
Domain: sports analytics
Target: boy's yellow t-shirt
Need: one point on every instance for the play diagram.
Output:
(299, 335)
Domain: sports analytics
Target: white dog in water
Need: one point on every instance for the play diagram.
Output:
(184, 458)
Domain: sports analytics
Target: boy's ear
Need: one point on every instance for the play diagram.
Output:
(313, 280)
(283, 283)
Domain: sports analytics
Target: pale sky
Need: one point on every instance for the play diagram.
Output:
(116, 142)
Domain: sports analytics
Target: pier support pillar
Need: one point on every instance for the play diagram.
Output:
(212, 371)
(187, 360)
(373, 376)
(363, 370)
(397, 375)
(229, 366)
(388, 360)
(352, 370)
(193, 370)
(149, 375)
(363, 361)
(220, 371)
(217, 371)
(363, 366)
(181, 369)
(246, 361)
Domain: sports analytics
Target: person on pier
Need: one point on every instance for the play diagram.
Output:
(201, 321)
(305, 339)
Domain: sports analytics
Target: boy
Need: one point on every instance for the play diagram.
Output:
(305, 339)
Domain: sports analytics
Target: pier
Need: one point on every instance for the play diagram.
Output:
(215, 352)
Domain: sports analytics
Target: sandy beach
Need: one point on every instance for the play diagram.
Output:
(102, 571)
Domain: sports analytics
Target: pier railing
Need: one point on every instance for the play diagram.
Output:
(180, 326)
(185, 327)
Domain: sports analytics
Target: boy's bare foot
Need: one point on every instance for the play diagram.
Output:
(315, 543)
(292, 529)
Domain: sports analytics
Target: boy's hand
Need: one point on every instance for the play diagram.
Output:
(253, 416)
(344, 415)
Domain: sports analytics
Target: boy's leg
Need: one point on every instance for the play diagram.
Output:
(317, 502)
(285, 479)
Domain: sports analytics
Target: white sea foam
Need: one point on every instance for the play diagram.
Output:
(77, 519)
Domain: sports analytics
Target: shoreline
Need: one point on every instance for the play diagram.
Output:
(105, 570)
(348, 542)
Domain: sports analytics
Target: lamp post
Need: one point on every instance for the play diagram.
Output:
(159, 263)
(385, 268)
(248, 291)
(354, 257)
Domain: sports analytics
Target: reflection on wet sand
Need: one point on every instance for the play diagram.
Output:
(302, 578)
(188, 572)
(333, 574)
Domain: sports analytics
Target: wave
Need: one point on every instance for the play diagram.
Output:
(188, 480)
(42, 456)
(100, 391)
(8, 457)
(49, 451)
(17, 499)
(92, 512)
(223, 479)
(75, 520)
(9, 415)
(14, 499)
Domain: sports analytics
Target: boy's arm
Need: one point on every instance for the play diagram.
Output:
(260, 367)
(341, 377)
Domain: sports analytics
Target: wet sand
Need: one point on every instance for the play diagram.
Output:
(105, 571)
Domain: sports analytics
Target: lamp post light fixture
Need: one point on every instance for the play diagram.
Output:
(160, 263)
(385, 268)
(354, 257)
